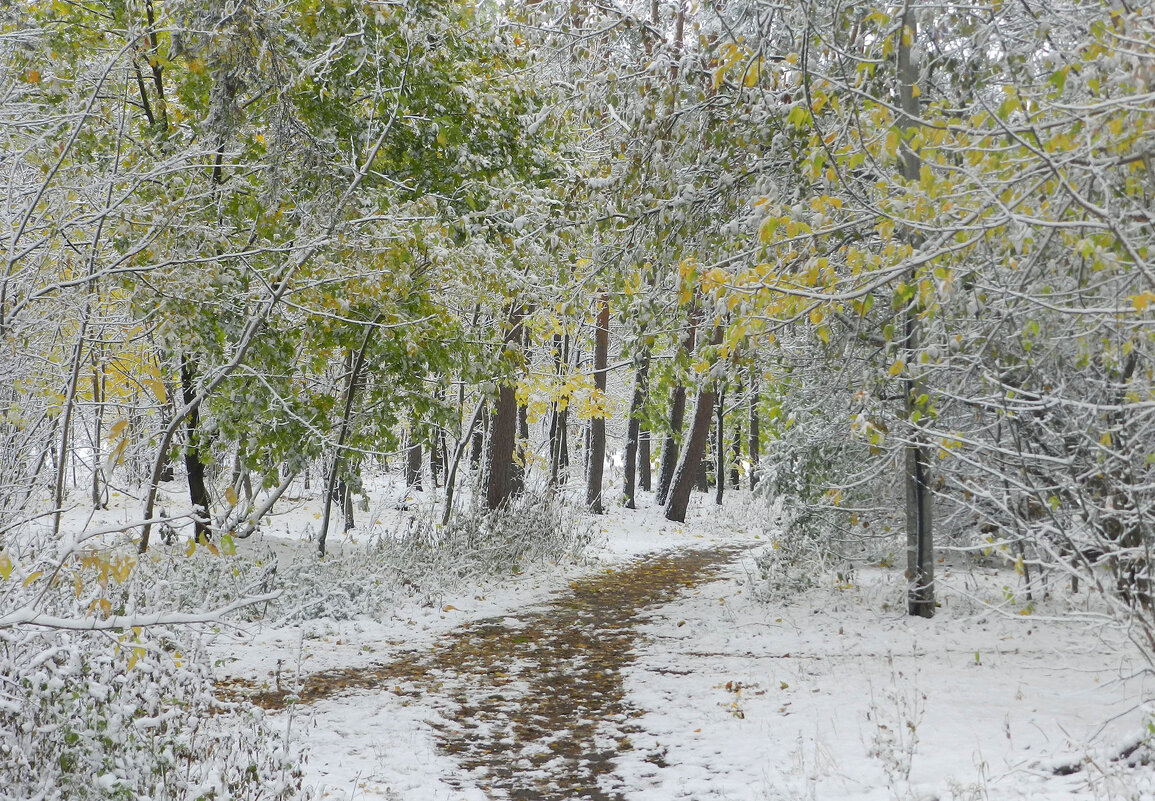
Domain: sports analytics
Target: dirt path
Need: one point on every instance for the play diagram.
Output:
(534, 705)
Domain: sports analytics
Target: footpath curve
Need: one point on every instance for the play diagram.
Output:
(533, 705)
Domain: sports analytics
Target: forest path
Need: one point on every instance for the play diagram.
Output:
(533, 703)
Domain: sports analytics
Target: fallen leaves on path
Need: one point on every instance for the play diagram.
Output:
(537, 709)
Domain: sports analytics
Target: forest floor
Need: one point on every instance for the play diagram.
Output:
(649, 671)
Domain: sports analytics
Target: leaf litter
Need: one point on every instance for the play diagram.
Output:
(534, 706)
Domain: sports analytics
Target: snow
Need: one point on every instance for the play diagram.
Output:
(834, 695)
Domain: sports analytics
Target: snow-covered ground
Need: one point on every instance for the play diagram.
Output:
(835, 694)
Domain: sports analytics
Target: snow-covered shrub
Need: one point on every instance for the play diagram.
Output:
(423, 560)
(125, 712)
(831, 499)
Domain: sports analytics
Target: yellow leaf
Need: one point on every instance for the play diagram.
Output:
(1140, 302)
(157, 387)
(1019, 567)
(191, 549)
(214, 550)
(6, 566)
(231, 496)
(33, 577)
(896, 368)
(1105, 440)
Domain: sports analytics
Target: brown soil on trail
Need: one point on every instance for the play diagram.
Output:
(534, 705)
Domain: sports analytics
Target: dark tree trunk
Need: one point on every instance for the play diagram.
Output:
(634, 430)
(704, 466)
(345, 496)
(355, 365)
(736, 449)
(755, 445)
(692, 454)
(669, 459)
(413, 463)
(558, 421)
(521, 446)
(194, 467)
(668, 462)
(477, 440)
(503, 432)
(720, 446)
(502, 436)
(644, 477)
(919, 498)
(436, 457)
(597, 449)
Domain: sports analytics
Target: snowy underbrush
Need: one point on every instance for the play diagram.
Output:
(122, 711)
(421, 562)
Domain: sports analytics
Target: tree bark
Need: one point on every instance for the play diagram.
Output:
(720, 445)
(194, 467)
(669, 458)
(559, 425)
(502, 436)
(477, 439)
(634, 430)
(692, 453)
(503, 431)
(356, 365)
(755, 444)
(919, 499)
(597, 449)
(413, 463)
(644, 470)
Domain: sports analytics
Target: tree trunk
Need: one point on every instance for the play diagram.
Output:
(720, 446)
(755, 445)
(558, 420)
(355, 366)
(736, 448)
(644, 471)
(503, 433)
(693, 452)
(919, 499)
(194, 467)
(703, 482)
(413, 463)
(451, 478)
(477, 439)
(597, 449)
(502, 436)
(669, 458)
(99, 480)
(634, 430)
(436, 457)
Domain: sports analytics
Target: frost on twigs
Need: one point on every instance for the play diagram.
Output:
(126, 712)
